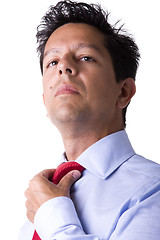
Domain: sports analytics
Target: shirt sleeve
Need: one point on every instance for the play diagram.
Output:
(141, 221)
(26, 231)
(57, 219)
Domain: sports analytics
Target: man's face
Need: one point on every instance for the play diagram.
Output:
(78, 77)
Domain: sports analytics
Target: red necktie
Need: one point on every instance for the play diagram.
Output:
(61, 170)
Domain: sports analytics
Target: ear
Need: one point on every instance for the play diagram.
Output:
(127, 91)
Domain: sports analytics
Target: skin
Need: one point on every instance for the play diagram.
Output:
(82, 98)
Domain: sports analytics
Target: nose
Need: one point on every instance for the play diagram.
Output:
(67, 66)
(67, 70)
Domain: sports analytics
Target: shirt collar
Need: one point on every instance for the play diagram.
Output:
(107, 154)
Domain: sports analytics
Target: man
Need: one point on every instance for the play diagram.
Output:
(89, 70)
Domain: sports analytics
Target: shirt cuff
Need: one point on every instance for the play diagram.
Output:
(53, 215)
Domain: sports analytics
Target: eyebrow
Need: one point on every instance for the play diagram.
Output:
(86, 45)
(77, 47)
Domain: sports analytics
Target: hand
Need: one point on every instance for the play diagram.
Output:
(41, 189)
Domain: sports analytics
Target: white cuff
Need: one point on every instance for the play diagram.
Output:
(54, 215)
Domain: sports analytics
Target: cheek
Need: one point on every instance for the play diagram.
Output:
(45, 82)
(49, 79)
(47, 85)
(102, 92)
(46, 92)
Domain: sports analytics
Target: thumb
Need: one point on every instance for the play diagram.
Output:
(76, 175)
(71, 177)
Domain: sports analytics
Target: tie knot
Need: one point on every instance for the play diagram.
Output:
(64, 168)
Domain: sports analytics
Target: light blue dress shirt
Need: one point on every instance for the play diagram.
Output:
(117, 198)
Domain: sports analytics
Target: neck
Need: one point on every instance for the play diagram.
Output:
(77, 141)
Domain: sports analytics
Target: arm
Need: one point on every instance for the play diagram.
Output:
(41, 189)
(50, 208)
(57, 218)
(141, 221)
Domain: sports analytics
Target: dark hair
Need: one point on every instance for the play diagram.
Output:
(122, 48)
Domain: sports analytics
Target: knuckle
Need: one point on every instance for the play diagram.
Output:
(26, 204)
(44, 171)
(66, 182)
(29, 211)
(26, 193)
(34, 180)
(31, 182)
(69, 177)
(28, 214)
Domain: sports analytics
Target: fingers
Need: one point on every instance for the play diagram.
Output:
(41, 189)
(68, 180)
(47, 173)
(30, 211)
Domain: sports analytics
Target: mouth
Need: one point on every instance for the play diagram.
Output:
(66, 89)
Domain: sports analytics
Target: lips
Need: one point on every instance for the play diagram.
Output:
(66, 89)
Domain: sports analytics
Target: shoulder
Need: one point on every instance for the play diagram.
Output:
(143, 177)
(141, 166)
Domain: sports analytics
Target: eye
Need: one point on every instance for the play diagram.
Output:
(87, 59)
(52, 64)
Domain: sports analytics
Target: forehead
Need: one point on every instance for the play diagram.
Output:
(75, 33)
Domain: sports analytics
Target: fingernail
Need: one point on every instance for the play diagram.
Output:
(76, 174)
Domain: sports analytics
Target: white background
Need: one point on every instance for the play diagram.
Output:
(28, 141)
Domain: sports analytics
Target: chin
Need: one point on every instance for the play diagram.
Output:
(68, 115)
(63, 116)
